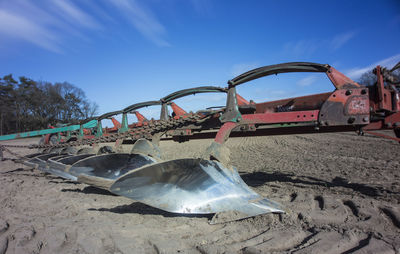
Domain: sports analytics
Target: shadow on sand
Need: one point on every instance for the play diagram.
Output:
(259, 178)
(90, 190)
(143, 209)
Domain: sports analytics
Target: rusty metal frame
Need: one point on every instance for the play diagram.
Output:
(347, 105)
(350, 106)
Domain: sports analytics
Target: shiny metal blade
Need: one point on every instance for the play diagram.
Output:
(41, 161)
(192, 186)
(61, 174)
(110, 166)
(59, 169)
(60, 165)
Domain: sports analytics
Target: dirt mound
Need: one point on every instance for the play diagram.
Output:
(341, 194)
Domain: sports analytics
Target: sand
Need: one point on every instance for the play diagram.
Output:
(341, 192)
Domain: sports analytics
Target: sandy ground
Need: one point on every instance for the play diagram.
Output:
(341, 192)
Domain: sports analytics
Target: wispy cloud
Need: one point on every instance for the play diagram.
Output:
(307, 81)
(306, 47)
(238, 69)
(73, 14)
(19, 27)
(339, 40)
(301, 47)
(97, 10)
(143, 20)
(50, 24)
(44, 24)
(387, 62)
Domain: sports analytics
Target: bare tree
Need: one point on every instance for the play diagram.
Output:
(27, 104)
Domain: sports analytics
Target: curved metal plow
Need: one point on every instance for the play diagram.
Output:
(193, 186)
(60, 166)
(110, 166)
(107, 166)
(187, 186)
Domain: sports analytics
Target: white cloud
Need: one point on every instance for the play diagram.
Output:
(387, 62)
(238, 69)
(44, 25)
(101, 13)
(143, 20)
(307, 81)
(307, 47)
(301, 47)
(16, 26)
(73, 14)
(44, 17)
(339, 40)
(49, 24)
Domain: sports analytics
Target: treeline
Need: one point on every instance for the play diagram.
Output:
(27, 105)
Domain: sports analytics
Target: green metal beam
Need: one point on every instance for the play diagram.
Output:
(99, 132)
(124, 125)
(88, 125)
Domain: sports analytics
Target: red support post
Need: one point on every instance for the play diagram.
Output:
(338, 79)
(241, 101)
(117, 125)
(140, 117)
(177, 110)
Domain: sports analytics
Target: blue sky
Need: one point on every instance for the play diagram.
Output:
(121, 52)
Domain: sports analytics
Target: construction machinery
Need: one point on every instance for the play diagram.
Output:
(127, 161)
